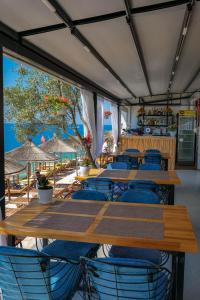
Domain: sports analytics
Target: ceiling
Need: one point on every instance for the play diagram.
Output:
(118, 66)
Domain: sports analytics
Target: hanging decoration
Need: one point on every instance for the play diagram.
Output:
(107, 114)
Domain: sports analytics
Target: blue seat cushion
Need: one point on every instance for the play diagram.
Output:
(151, 255)
(69, 249)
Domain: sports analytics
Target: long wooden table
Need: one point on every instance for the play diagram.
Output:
(167, 178)
(125, 224)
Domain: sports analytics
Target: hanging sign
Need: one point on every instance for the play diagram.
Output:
(187, 113)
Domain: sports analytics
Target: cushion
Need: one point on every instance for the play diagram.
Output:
(69, 249)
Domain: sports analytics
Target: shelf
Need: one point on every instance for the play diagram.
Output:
(141, 115)
(142, 125)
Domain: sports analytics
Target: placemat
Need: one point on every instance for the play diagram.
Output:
(147, 175)
(122, 228)
(61, 222)
(134, 212)
(115, 174)
(76, 208)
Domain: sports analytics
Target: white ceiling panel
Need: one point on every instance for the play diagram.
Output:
(26, 14)
(158, 32)
(62, 45)
(79, 9)
(190, 59)
(114, 42)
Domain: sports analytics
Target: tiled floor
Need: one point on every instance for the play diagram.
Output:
(188, 194)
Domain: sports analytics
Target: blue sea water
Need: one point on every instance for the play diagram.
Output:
(11, 142)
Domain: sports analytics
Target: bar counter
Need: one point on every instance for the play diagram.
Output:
(163, 143)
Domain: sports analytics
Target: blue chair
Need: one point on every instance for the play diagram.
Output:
(130, 160)
(152, 158)
(140, 196)
(143, 185)
(150, 166)
(119, 278)
(152, 151)
(29, 274)
(89, 195)
(104, 185)
(118, 166)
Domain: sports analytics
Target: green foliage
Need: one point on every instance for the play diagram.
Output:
(43, 182)
(26, 105)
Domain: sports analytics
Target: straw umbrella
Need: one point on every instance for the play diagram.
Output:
(12, 168)
(29, 152)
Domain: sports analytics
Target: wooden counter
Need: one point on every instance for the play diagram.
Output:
(162, 143)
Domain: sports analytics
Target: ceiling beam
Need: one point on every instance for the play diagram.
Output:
(181, 42)
(196, 74)
(168, 99)
(104, 17)
(74, 31)
(136, 40)
(37, 57)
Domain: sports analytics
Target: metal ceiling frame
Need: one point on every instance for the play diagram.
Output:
(11, 40)
(196, 74)
(181, 42)
(136, 40)
(105, 17)
(61, 13)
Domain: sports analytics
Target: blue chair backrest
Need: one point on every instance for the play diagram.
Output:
(125, 158)
(119, 279)
(149, 166)
(132, 150)
(152, 158)
(140, 196)
(104, 185)
(119, 165)
(143, 185)
(89, 195)
(152, 151)
(29, 274)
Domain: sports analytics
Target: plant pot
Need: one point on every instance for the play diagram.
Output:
(84, 171)
(45, 196)
(172, 133)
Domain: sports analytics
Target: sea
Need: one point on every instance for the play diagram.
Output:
(11, 142)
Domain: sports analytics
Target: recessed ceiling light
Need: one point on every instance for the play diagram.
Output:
(49, 5)
(86, 48)
(177, 58)
(173, 73)
(184, 30)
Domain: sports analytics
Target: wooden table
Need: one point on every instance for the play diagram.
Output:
(167, 178)
(125, 224)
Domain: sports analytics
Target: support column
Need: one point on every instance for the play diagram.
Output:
(119, 122)
(2, 175)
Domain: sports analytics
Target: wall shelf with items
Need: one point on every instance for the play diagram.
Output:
(155, 120)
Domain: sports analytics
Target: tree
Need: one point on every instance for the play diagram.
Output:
(39, 100)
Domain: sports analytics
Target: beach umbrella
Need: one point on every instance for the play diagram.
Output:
(12, 168)
(29, 152)
(56, 145)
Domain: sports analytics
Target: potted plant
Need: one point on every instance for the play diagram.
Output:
(85, 167)
(45, 191)
(172, 129)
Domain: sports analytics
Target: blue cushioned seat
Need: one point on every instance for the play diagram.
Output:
(152, 151)
(151, 255)
(131, 150)
(89, 195)
(152, 158)
(29, 274)
(140, 196)
(104, 185)
(120, 278)
(70, 249)
(143, 185)
(130, 160)
(118, 166)
(150, 166)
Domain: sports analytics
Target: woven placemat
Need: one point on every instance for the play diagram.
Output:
(76, 208)
(152, 230)
(115, 174)
(134, 212)
(150, 175)
(61, 222)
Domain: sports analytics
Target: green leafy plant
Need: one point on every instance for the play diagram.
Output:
(86, 162)
(43, 183)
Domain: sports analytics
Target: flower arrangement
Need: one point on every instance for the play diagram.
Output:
(87, 139)
(107, 114)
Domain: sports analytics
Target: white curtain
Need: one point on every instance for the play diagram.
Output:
(100, 125)
(3, 237)
(114, 120)
(89, 117)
